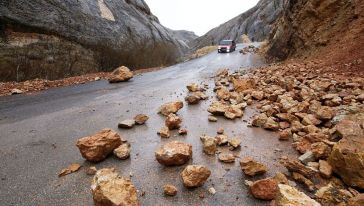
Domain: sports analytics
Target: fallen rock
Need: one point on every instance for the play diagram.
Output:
(97, 147)
(220, 130)
(298, 167)
(251, 167)
(285, 135)
(241, 85)
(193, 87)
(280, 178)
(258, 95)
(209, 145)
(221, 139)
(307, 157)
(303, 180)
(320, 150)
(234, 143)
(120, 74)
(170, 190)
(212, 118)
(91, 171)
(333, 195)
(127, 124)
(108, 188)
(270, 124)
(141, 119)
(123, 151)
(265, 189)
(164, 132)
(325, 113)
(170, 107)
(290, 196)
(217, 108)
(325, 169)
(182, 131)
(259, 120)
(226, 157)
(174, 153)
(173, 121)
(195, 175)
(70, 169)
(16, 91)
(192, 99)
(223, 94)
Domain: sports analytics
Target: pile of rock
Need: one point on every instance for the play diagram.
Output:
(249, 49)
(172, 121)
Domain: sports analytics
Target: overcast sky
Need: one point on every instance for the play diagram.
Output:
(197, 15)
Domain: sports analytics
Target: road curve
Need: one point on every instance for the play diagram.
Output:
(38, 134)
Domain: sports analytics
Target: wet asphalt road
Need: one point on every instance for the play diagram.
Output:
(38, 133)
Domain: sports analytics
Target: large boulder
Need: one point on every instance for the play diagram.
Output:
(58, 38)
(121, 74)
(288, 195)
(174, 153)
(97, 147)
(347, 156)
(195, 175)
(108, 188)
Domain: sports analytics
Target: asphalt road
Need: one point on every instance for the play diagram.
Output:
(38, 133)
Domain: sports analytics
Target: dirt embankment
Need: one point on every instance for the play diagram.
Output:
(327, 30)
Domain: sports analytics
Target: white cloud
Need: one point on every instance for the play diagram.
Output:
(197, 15)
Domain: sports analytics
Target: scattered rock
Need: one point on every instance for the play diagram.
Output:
(265, 189)
(234, 143)
(226, 157)
(170, 107)
(290, 196)
(123, 151)
(251, 167)
(182, 131)
(209, 145)
(173, 121)
(97, 147)
(120, 74)
(170, 190)
(212, 190)
(70, 169)
(164, 132)
(141, 119)
(174, 153)
(108, 188)
(195, 175)
(127, 124)
(91, 171)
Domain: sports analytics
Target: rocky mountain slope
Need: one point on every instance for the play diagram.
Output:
(185, 36)
(330, 28)
(54, 39)
(256, 23)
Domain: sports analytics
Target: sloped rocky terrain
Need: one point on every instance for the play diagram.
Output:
(43, 39)
(256, 23)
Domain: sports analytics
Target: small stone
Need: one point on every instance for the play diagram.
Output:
(212, 190)
(173, 121)
(91, 171)
(174, 153)
(285, 135)
(227, 157)
(192, 99)
(193, 87)
(127, 124)
(212, 118)
(234, 143)
(170, 190)
(209, 145)
(320, 150)
(170, 107)
(164, 132)
(182, 131)
(220, 131)
(221, 139)
(251, 167)
(325, 169)
(141, 119)
(259, 120)
(265, 189)
(97, 78)
(70, 169)
(123, 151)
(307, 157)
(195, 175)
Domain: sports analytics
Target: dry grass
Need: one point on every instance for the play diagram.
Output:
(203, 51)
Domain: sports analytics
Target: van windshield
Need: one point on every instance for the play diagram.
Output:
(225, 42)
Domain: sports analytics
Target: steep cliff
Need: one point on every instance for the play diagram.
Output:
(330, 29)
(256, 23)
(57, 38)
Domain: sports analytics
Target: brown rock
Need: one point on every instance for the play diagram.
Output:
(298, 167)
(182, 131)
(170, 107)
(333, 195)
(265, 189)
(358, 200)
(170, 190)
(70, 169)
(280, 178)
(123, 151)
(320, 150)
(303, 180)
(193, 87)
(164, 132)
(174, 153)
(241, 85)
(108, 188)
(285, 135)
(217, 108)
(220, 130)
(173, 122)
(226, 157)
(251, 167)
(209, 145)
(195, 175)
(212, 118)
(234, 143)
(223, 93)
(325, 113)
(258, 95)
(141, 119)
(259, 120)
(97, 147)
(127, 124)
(121, 74)
(221, 139)
(91, 171)
(290, 196)
(192, 99)
(270, 124)
(325, 169)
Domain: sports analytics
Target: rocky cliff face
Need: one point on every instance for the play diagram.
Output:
(53, 39)
(256, 23)
(332, 28)
(185, 37)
